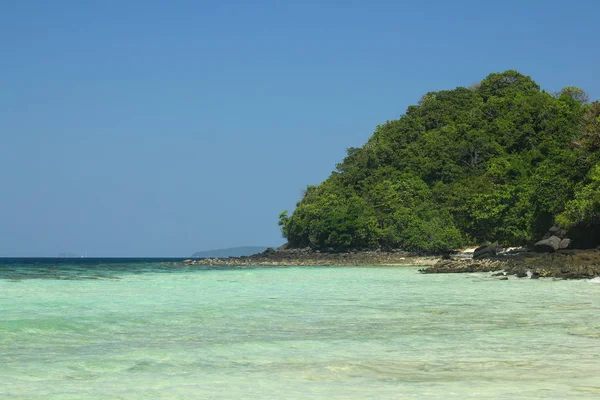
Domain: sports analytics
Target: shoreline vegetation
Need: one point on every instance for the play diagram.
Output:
(563, 264)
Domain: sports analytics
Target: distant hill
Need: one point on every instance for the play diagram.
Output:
(230, 252)
(501, 161)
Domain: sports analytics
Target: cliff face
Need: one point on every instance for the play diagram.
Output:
(502, 161)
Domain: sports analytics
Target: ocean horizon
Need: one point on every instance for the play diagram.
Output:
(126, 328)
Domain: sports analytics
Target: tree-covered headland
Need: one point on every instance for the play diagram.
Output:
(501, 161)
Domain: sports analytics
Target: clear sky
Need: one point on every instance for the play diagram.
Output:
(161, 128)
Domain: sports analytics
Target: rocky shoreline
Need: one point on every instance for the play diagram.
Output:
(563, 264)
(307, 257)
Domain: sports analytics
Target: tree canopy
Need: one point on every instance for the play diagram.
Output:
(500, 161)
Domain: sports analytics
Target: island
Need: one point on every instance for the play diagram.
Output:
(503, 164)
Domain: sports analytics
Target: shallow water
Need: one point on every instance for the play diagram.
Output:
(146, 330)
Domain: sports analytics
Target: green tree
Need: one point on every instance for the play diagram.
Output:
(586, 203)
(577, 94)
(498, 161)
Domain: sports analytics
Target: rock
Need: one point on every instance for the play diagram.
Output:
(563, 264)
(564, 244)
(187, 262)
(461, 266)
(485, 251)
(549, 245)
(557, 231)
(504, 278)
(268, 252)
(513, 250)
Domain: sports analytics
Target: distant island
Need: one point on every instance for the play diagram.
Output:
(230, 252)
(501, 161)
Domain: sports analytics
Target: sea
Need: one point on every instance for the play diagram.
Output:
(151, 329)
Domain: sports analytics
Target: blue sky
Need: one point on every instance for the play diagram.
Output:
(161, 128)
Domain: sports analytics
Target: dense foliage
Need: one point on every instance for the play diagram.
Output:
(501, 161)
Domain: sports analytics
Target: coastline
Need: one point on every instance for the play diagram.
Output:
(305, 257)
(563, 264)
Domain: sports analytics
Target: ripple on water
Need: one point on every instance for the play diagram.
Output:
(296, 333)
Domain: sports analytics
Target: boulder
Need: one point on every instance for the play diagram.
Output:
(549, 245)
(485, 251)
(268, 252)
(564, 244)
(555, 230)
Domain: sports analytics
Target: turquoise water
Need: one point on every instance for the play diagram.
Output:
(144, 330)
